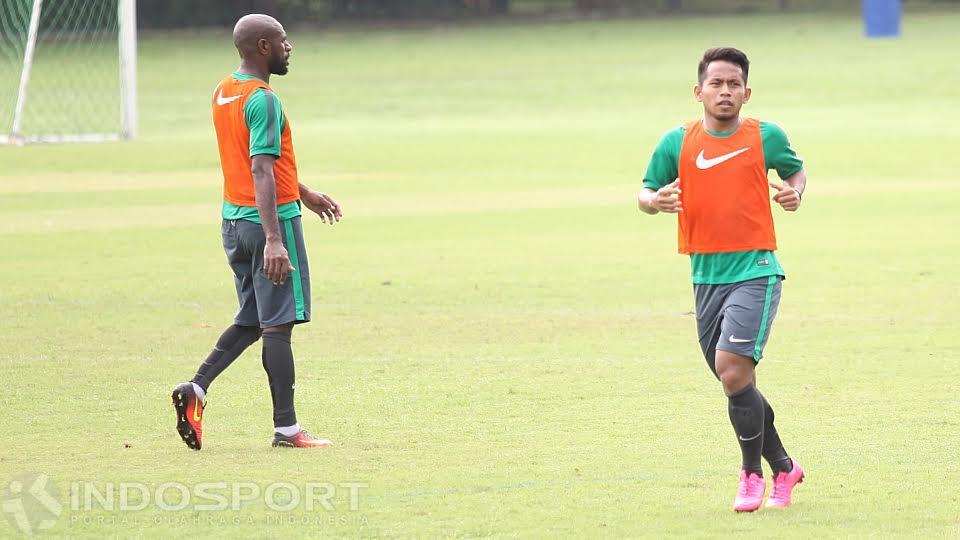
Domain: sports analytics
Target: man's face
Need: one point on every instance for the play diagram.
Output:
(279, 53)
(723, 91)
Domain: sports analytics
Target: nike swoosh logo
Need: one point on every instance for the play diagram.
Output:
(223, 101)
(197, 408)
(738, 340)
(750, 438)
(704, 163)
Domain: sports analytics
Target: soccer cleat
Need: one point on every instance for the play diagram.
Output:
(750, 492)
(189, 415)
(300, 440)
(783, 485)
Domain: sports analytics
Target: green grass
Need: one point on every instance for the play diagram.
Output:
(502, 345)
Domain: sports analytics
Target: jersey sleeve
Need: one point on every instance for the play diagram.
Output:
(665, 161)
(777, 151)
(264, 116)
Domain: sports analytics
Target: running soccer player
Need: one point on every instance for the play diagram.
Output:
(712, 173)
(262, 231)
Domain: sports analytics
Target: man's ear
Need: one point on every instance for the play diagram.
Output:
(263, 46)
(698, 93)
(746, 94)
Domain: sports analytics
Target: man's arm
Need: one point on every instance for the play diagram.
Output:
(276, 262)
(790, 193)
(321, 204)
(781, 156)
(661, 187)
(797, 181)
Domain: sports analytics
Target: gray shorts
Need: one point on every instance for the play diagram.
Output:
(736, 317)
(262, 303)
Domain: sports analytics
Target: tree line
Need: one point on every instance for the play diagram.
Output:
(193, 13)
(202, 13)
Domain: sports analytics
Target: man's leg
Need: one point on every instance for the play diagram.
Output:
(189, 398)
(773, 450)
(246, 324)
(737, 376)
(748, 316)
(744, 406)
(280, 307)
(735, 363)
(231, 345)
(278, 363)
(786, 472)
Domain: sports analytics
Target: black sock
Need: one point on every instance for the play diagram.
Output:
(746, 415)
(773, 450)
(231, 344)
(278, 363)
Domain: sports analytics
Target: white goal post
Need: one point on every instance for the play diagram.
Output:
(68, 71)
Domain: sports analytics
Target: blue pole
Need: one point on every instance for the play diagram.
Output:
(881, 18)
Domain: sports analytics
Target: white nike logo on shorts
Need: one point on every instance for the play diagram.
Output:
(738, 340)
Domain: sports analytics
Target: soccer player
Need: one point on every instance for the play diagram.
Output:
(712, 173)
(262, 231)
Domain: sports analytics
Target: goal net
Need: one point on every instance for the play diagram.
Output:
(67, 70)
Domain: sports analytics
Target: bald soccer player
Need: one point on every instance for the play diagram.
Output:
(262, 231)
(712, 173)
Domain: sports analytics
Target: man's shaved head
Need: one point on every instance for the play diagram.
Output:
(262, 41)
(250, 29)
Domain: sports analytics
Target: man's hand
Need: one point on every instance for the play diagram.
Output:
(668, 198)
(665, 199)
(276, 262)
(786, 196)
(322, 205)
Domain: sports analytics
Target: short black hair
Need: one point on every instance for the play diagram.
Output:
(728, 54)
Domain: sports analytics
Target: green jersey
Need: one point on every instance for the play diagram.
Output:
(733, 267)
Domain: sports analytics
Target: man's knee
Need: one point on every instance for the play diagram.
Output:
(235, 335)
(253, 331)
(734, 371)
(286, 329)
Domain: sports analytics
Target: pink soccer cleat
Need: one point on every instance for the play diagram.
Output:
(783, 486)
(750, 492)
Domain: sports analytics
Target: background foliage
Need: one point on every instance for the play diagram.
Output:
(189, 13)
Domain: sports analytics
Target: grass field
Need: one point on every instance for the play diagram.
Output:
(502, 344)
